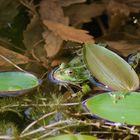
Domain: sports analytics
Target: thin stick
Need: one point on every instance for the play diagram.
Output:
(33, 123)
(9, 61)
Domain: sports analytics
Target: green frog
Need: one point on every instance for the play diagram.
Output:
(73, 73)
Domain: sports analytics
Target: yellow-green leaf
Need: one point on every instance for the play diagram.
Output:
(109, 68)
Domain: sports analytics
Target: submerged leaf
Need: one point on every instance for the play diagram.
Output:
(8, 10)
(110, 69)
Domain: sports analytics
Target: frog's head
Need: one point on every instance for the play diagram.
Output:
(71, 74)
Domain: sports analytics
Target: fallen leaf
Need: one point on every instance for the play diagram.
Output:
(52, 43)
(134, 5)
(33, 33)
(65, 3)
(12, 56)
(118, 13)
(123, 47)
(33, 40)
(81, 13)
(8, 10)
(68, 33)
(52, 10)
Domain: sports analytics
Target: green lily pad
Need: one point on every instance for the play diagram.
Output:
(125, 110)
(15, 83)
(72, 137)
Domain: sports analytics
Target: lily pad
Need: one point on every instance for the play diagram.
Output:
(73, 137)
(16, 83)
(125, 110)
(110, 69)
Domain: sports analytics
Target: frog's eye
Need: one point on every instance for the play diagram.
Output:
(69, 71)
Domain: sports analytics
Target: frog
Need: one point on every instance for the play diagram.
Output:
(75, 73)
(70, 74)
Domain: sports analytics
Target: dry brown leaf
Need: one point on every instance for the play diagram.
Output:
(53, 43)
(134, 5)
(33, 33)
(81, 13)
(124, 48)
(33, 40)
(14, 57)
(52, 10)
(65, 3)
(8, 10)
(68, 33)
(118, 13)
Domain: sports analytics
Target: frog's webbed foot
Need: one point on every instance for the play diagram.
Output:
(116, 97)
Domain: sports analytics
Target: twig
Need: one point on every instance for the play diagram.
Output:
(36, 121)
(7, 138)
(70, 123)
(9, 61)
(39, 105)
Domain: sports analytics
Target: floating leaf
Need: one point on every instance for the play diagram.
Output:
(69, 33)
(16, 83)
(72, 137)
(110, 69)
(126, 110)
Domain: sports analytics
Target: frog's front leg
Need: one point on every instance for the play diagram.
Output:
(85, 88)
(80, 89)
